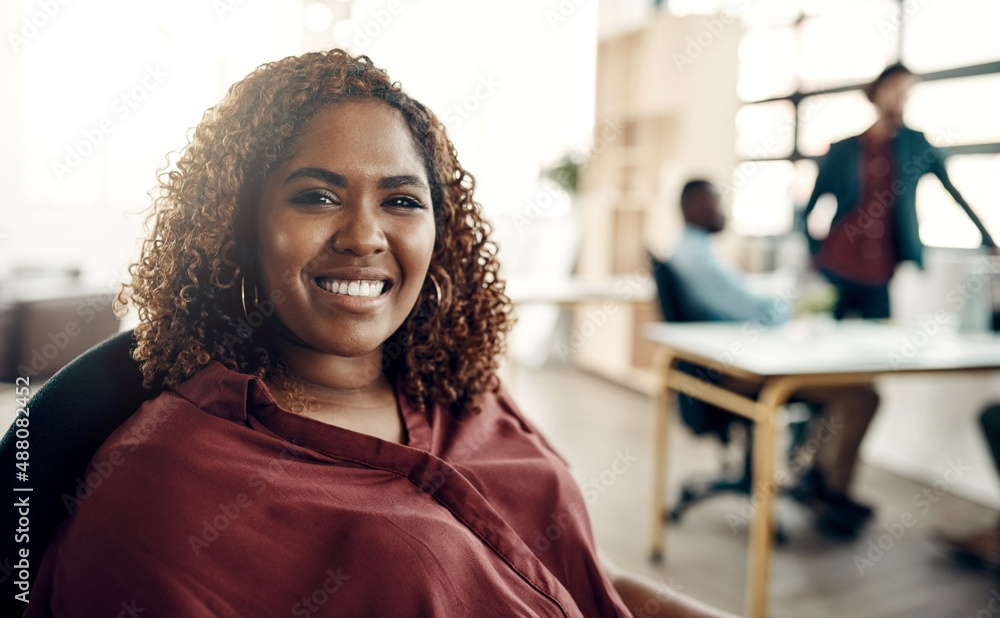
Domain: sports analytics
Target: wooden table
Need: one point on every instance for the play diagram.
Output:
(782, 361)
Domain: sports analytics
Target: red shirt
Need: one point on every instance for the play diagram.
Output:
(213, 501)
(860, 246)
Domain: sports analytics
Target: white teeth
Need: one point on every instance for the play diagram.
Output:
(365, 289)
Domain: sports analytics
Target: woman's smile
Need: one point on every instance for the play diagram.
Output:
(356, 290)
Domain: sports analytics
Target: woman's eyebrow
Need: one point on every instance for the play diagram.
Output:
(338, 180)
(318, 173)
(395, 182)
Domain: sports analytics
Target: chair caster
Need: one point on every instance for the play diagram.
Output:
(780, 537)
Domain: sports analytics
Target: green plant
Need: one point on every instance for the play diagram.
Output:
(565, 172)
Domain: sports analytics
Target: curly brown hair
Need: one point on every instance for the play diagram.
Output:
(188, 284)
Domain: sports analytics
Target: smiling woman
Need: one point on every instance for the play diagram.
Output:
(320, 306)
(320, 156)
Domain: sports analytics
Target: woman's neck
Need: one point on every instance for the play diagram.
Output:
(327, 380)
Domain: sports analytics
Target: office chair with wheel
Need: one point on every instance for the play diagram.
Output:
(703, 418)
(68, 419)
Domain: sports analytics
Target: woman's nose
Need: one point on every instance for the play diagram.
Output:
(359, 231)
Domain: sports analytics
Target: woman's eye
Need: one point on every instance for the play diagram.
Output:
(315, 197)
(403, 202)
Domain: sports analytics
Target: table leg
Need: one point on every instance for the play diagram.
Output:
(661, 435)
(764, 489)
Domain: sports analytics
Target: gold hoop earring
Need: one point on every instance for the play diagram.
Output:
(243, 295)
(437, 289)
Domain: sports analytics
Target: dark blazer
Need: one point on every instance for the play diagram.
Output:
(840, 175)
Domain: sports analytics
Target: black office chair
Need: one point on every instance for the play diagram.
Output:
(703, 418)
(68, 420)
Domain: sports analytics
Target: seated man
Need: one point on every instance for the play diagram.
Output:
(980, 549)
(716, 291)
(719, 293)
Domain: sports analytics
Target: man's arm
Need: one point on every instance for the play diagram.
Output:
(646, 598)
(721, 292)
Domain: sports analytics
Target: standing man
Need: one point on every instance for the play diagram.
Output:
(874, 178)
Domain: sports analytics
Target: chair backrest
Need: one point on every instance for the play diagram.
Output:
(68, 419)
(670, 291)
(700, 417)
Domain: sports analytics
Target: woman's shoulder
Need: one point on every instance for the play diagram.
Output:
(168, 436)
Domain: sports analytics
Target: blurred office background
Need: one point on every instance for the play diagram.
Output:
(581, 120)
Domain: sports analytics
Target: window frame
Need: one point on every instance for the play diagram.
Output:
(800, 94)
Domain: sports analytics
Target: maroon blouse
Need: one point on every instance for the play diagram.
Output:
(860, 246)
(213, 501)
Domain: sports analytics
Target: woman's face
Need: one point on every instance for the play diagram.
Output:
(346, 230)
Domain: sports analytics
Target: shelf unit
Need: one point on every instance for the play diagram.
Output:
(665, 108)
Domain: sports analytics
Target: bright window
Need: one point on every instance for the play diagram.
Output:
(765, 130)
(942, 221)
(942, 34)
(767, 66)
(957, 111)
(818, 60)
(762, 197)
(827, 118)
(846, 46)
